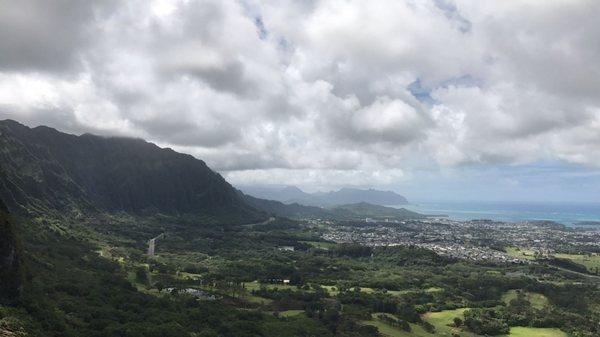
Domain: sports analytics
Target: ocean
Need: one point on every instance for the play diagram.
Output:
(565, 213)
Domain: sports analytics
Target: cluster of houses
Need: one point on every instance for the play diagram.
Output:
(470, 240)
(198, 294)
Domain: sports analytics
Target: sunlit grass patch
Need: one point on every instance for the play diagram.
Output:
(536, 332)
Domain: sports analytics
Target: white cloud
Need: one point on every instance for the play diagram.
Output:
(316, 92)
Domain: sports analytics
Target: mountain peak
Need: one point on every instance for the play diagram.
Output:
(291, 188)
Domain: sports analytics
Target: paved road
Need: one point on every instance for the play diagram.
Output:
(152, 244)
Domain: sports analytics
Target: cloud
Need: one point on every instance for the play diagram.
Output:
(318, 179)
(38, 35)
(332, 92)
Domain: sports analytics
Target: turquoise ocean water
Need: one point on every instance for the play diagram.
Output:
(566, 213)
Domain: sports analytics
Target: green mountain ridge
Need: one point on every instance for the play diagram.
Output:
(44, 169)
(367, 210)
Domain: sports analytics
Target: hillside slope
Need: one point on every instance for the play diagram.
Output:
(366, 210)
(355, 211)
(10, 260)
(46, 169)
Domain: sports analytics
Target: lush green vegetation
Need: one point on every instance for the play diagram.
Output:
(537, 301)
(83, 268)
(90, 277)
(591, 261)
(520, 331)
(11, 275)
(520, 253)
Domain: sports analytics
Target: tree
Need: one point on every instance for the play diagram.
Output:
(428, 327)
(141, 275)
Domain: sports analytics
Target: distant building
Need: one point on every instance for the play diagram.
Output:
(199, 294)
(370, 220)
(286, 248)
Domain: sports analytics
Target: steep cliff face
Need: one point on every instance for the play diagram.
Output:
(10, 260)
(48, 169)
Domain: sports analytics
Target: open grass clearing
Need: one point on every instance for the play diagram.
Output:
(538, 301)
(443, 320)
(591, 262)
(521, 253)
(290, 313)
(519, 331)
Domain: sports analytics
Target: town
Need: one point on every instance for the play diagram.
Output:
(475, 240)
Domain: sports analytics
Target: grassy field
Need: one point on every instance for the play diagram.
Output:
(291, 313)
(188, 276)
(525, 254)
(442, 320)
(538, 301)
(591, 262)
(535, 332)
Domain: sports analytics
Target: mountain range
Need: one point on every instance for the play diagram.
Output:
(76, 214)
(292, 194)
(44, 169)
(355, 211)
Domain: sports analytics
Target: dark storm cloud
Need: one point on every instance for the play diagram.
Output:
(40, 35)
(229, 77)
(182, 131)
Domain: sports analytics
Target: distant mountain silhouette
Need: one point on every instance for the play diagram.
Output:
(356, 211)
(42, 168)
(292, 194)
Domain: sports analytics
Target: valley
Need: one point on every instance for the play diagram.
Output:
(97, 261)
(312, 168)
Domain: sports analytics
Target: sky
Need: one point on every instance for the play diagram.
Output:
(438, 100)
